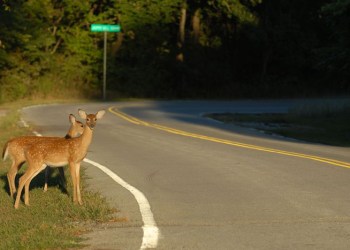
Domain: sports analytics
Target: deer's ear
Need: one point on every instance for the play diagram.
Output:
(100, 114)
(72, 118)
(82, 114)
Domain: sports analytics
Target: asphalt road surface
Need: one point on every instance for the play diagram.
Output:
(210, 185)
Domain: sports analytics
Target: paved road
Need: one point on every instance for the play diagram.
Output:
(212, 192)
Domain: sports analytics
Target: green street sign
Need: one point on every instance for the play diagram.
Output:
(105, 27)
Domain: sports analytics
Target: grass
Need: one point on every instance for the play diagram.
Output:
(52, 221)
(325, 123)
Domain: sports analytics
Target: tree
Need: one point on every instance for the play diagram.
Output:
(45, 42)
(175, 48)
(334, 56)
(144, 62)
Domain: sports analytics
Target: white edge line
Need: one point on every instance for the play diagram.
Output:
(151, 232)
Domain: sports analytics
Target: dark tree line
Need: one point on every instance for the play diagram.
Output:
(175, 48)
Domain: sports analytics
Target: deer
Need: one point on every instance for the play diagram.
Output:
(75, 129)
(58, 152)
(14, 148)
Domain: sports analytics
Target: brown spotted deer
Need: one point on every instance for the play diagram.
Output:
(75, 129)
(15, 147)
(59, 152)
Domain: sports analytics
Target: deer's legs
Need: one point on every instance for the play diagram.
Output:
(77, 176)
(11, 176)
(34, 168)
(22, 181)
(73, 176)
(47, 175)
(27, 184)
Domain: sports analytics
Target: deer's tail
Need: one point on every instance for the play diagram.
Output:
(5, 151)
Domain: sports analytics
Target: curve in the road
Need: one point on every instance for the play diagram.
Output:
(150, 230)
(137, 121)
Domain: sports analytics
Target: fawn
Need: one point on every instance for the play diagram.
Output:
(58, 152)
(16, 146)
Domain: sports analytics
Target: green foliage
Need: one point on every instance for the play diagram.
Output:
(47, 48)
(143, 65)
(231, 48)
(234, 9)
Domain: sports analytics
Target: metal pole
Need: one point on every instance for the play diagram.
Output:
(104, 65)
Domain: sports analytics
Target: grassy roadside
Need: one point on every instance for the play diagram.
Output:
(52, 221)
(326, 123)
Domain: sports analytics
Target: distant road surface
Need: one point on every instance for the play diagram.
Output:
(210, 185)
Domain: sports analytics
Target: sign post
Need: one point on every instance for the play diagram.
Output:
(105, 28)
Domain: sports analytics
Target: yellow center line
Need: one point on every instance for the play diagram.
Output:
(227, 142)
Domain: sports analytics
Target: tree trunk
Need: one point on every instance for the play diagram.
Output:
(196, 25)
(181, 36)
(118, 43)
